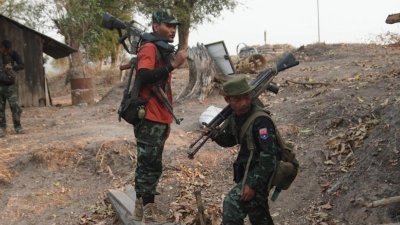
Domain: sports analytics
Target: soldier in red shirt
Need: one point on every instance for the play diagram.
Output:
(154, 67)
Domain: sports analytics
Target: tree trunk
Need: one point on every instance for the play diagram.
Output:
(76, 57)
(202, 71)
(183, 35)
(183, 29)
(101, 64)
(115, 58)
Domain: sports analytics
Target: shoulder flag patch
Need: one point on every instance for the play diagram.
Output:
(263, 133)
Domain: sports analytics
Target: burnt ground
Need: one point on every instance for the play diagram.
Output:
(346, 132)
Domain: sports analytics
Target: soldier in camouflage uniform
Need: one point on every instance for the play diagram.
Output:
(250, 195)
(153, 130)
(8, 92)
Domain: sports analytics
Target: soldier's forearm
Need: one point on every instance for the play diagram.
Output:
(19, 67)
(147, 76)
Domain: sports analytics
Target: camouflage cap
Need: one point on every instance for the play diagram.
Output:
(164, 15)
(236, 86)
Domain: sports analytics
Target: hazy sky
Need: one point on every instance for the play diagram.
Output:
(295, 22)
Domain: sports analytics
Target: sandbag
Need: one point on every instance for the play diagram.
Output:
(209, 114)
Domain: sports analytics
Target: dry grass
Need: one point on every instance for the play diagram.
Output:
(212, 159)
(5, 175)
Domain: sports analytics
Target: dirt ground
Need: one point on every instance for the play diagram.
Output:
(342, 116)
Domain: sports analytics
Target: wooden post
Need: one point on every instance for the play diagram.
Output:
(383, 202)
(200, 208)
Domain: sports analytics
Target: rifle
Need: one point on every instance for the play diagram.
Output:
(131, 66)
(137, 36)
(155, 88)
(262, 83)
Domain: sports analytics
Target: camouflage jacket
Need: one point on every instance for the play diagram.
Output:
(11, 58)
(266, 155)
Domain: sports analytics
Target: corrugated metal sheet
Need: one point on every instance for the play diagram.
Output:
(31, 45)
(51, 46)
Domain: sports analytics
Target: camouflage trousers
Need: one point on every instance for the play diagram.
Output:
(150, 138)
(9, 93)
(234, 211)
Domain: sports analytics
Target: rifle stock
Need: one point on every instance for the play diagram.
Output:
(262, 83)
(131, 66)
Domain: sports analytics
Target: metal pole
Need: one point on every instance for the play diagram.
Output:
(265, 37)
(319, 40)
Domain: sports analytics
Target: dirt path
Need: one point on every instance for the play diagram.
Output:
(346, 133)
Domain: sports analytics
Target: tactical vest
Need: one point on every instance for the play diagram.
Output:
(286, 170)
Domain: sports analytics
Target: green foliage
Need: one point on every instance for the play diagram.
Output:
(27, 12)
(79, 22)
(60, 65)
(189, 12)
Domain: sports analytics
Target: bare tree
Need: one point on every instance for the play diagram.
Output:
(202, 74)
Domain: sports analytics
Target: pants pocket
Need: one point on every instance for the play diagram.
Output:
(151, 154)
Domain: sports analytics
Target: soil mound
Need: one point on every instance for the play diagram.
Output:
(339, 106)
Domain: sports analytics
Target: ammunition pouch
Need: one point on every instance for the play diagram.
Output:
(129, 110)
(286, 170)
(284, 175)
(132, 103)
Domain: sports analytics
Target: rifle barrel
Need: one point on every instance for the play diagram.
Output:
(262, 81)
(197, 140)
(191, 154)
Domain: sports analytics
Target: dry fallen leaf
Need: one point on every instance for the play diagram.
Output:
(322, 215)
(385, 102)
(177, 216)
(305, 131)
(327, 206)
(393, 161)
(275, 214)
(325, 185)
(329, 162)
(332, 143)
